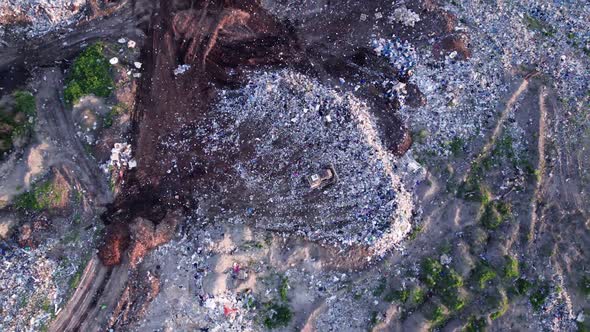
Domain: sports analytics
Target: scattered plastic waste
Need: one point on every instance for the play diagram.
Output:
(181, 69)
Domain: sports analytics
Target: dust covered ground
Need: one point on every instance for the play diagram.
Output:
(155, 159)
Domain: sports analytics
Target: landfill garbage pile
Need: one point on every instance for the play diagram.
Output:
(402, 57)
(295, 127)
(121, 156)
(27, 288)
(463, 95)
(404, 16)
(34, 18)
(186, 262)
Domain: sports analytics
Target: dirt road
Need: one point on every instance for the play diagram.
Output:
(69, 153)
(95, 298)
(65, 43)
(55, 145)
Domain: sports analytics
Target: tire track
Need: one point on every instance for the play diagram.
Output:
(540, 162)
(498, 128)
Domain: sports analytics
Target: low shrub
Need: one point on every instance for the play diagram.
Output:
(277, 315)
(483, 273)
(90, 74)
(539, 296)
(511, 270)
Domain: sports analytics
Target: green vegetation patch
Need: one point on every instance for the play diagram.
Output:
(456, 146)
(431, 270)
(585, 285)
(502, 307)
(109, 118)
(539, 296)
(277, 315)
(397, 295)
(452, 299)
(416, 230)
(374, 319)
(475, 324)
(438, 316)
(511, 270)
(16, 123)
(417, 296)
(483, 273)
(472, 189)
(24, 102)
(522, 286)
(494, 214)
(491, 218)
(444, 282)
(284, 288)
(89, 75)
(39, 197)
(585, 325)
(538, 25)
(421, 136)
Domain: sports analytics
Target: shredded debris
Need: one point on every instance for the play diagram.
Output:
(404, 16)
(181, 69)
(38, 17)
(121, 157)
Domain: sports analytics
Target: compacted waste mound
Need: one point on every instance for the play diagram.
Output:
(307, 159)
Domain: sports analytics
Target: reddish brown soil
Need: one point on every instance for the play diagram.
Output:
(115, 243)
(452, 43)
(217, 39)
(135, 300)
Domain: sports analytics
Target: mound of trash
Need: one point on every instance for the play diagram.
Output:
(37, 17)
(311, 162)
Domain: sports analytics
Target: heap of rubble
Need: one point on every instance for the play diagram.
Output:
(37, 17)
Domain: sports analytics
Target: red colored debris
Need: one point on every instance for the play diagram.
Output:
(229, 311)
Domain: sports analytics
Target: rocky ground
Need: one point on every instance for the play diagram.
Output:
(157, 180)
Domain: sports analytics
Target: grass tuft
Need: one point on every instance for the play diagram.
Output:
(511, 270)
(483, 274)
(277, 315)
(89, 75)
(39, 197)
